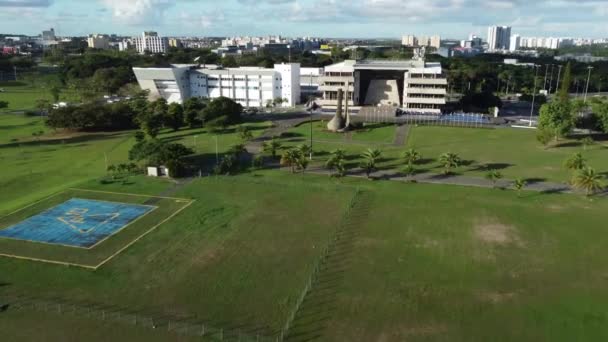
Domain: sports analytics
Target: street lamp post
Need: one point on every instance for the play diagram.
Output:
(559, 73)
(587, 86)
(533, 94)
(551, 80)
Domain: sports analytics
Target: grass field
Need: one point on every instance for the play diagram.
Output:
(373, 133)
(238, 256)
(516, 153)
(23, 95)
(64, 159)
(429, 262)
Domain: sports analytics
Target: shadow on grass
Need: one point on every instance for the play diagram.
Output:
(534, 180)
(81, 140)
(491, 166)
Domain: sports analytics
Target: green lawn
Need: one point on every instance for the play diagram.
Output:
(370, 133)
(23, 95)
(449, 263)
(514, 151)
(238, 256)
(61, 160)
(428, 263)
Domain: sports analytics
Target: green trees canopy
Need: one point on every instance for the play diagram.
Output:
(556, 117)
(223, 106)
(93, 116)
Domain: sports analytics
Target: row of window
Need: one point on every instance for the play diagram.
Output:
(426, 96)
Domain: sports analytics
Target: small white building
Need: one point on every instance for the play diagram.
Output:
(98, 41)
(249, 86)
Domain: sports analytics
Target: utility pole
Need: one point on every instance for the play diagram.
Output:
(533, 94)
(587, 86)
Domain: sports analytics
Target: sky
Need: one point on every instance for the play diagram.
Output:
(318, 18)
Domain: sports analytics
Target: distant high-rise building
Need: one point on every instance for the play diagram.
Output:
(432, 41)
(515, 42)
(151, 42)
(499, 38)
(48, 35)
(98, 41)
(409, 40)
(176, 43)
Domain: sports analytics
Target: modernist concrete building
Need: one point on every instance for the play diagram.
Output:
(249, 86)
(413, 85)
(309, 83)
(151, 42)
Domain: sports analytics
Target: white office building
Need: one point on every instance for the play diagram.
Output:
(249, 86)
(499, 38)
(151, 42)
(309, 82)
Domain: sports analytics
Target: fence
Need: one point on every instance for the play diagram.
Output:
(333, 240)
(181, 326)
(388, 115)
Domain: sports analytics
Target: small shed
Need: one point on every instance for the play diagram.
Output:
(158, 171)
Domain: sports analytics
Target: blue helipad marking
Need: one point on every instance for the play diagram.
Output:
(76, 222)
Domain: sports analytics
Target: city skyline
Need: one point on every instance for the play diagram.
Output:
(326, 18)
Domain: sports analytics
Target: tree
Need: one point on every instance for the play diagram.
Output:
(564, 91)
(269, 105)
(519, 184)
(544, 137)
(409, 170)
(150, 123)
(449, 161)
(336, 162)
(271, 146)
(3, 104)
(586, 142)
(493, 176)
(290, 158)
(55, 93)
(244, 133)
(257, 162)
(370, 159)
(112, 171)
(589, 180)
(193, 108)
(575, 162)
(600, 110)
(223, 107)
(43, 106)
(411, 156)
(158, 152)
(557, 118)
(175, 116)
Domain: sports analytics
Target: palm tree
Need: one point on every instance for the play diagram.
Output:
(587, 141)
(272, 146)
(290, 158)
(576, 162)
(238, 150)
(409, 170)
(411, 156)
(112, 170)
(587, 179)
(449, 161)
(370, 159)
(493, 176)
(519, 184)
(303, 149)
(336, 161)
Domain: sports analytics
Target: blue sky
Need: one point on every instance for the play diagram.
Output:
(326, 18)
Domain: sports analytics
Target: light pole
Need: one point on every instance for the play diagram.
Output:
(551, 81)
(559, 73)
(546, 72)
(533, 93)
(587, 86)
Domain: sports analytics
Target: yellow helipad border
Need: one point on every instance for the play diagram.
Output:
(108, 259)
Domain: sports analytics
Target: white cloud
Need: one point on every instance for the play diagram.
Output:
(138, 12)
